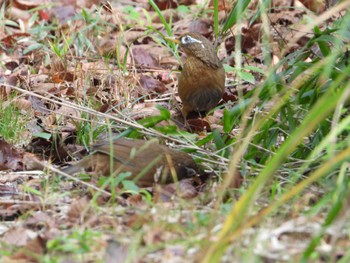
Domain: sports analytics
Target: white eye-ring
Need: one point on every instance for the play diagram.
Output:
(189, 40)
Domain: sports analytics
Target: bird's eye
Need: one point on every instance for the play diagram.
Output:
(189, 40)
(186, 40)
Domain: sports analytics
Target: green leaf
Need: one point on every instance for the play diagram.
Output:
(164, 112)
(219, 143)
(161, 17)
(246, 76)
(122, 176)
(235, 14)
(130, 186)
(183, 9)
(33, 47)
(43, 135)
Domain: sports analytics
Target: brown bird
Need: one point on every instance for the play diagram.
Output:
(202, 80)
(148, 161)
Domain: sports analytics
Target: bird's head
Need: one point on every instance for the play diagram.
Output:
(198, 46)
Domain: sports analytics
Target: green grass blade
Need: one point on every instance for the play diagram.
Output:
(236, 218)
(161, 17)
(235, 14)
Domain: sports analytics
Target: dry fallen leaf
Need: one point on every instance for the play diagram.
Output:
(182, 189)
(143, 57)
(151, 85)
(78, 209)
(10, 157)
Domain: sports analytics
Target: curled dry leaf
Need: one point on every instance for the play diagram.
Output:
(11, 65)
(27, 4)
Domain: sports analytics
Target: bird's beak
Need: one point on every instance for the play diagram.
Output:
(172, 39)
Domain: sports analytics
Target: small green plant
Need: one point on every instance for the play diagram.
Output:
(13, 123)
(88, 131)
(78, 242)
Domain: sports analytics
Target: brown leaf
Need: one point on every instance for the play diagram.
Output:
(144, 58)
(53, 149)
(10, 157)
(187, 2)
(251, 36)
(59, 77)
(78, 209)
(39, 220)
(136, 200)
(11, 65)
(152, 85)
(44, 15)
(230, 44)
(5, 91)
(18, 236)
(202, 26)
(136, 221)
(144, 110)
(22, 103)
(198, 125)
(35, 248)
(236, 180)
(183, 189)
(317, 6)
(166, 4)
(223, 5)
(11, 40)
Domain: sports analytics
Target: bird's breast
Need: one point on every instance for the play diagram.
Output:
(200, 78)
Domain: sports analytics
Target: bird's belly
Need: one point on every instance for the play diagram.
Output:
(199, 90)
